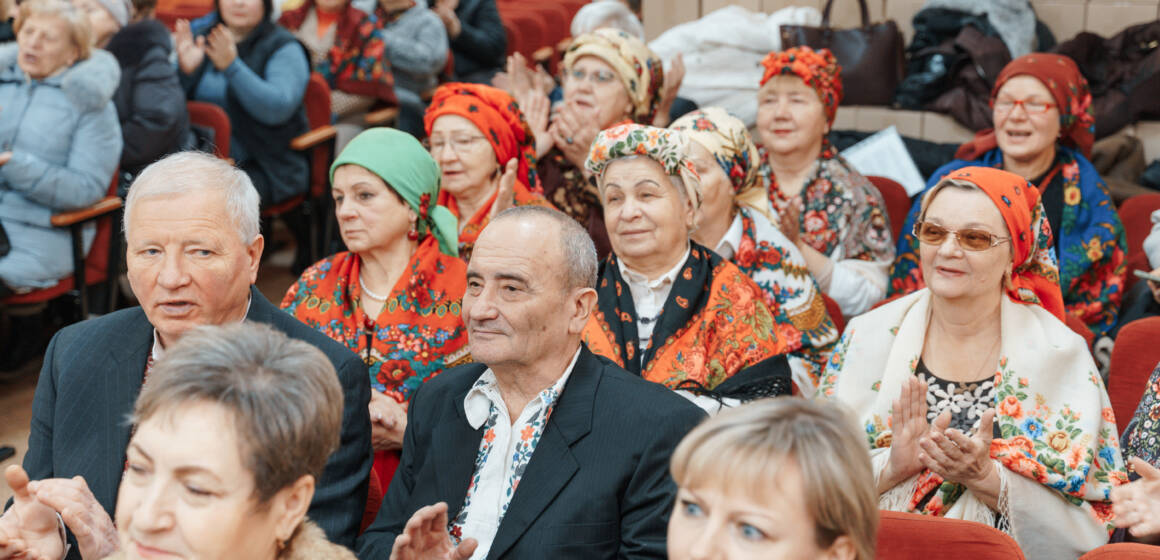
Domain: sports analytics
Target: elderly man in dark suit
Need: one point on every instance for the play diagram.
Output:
(193, 249)
(542, 449)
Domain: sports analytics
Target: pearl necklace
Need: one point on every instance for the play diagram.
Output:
(368, 292)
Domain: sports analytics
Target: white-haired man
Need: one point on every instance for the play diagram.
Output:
(193, 249)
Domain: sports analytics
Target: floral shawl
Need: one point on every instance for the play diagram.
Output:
(1142, 436)
(714, 325)
(419, 332)
(1092, 243)
(1054, 423)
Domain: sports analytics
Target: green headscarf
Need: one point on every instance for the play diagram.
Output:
(400, 161)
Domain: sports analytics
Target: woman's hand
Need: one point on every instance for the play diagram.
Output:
(1137, 504)
(573, 132)
(536, 109)
(956, 457)
(673, 78)
(222, 48)
(82, 513)
(388, 422)
(506, 198)
(29, 529)
(445, 9)
(190, 50)
(909, 426)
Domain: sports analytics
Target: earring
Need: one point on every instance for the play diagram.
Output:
(281, 544)
(413, 233)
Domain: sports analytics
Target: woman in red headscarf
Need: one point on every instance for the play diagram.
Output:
(486, 153)
(1044, 132)
(978, 402)
(831, 212)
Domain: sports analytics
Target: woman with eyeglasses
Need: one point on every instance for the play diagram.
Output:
(977, 400)
(486, 155)
(610, 77)
(1043, 132)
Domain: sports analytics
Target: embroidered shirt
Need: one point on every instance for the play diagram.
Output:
(504, 453)
(731, 242)
(649, 296)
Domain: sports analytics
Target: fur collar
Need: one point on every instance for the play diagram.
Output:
(138, 39)
(309, 543)
(88, 84)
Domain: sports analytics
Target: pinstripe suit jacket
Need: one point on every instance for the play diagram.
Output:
(598, 483)
(92, 374)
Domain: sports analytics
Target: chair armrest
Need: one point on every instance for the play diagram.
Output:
(382, 117)
(313, 138)
(543, 55)
(106, 205)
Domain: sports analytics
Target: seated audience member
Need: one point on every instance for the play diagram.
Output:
(61, 146)
(1143, 300)
(191, 228)
(541, 450)
(735, 221)
(831, 212)
(669, 309)
(257, 72)
(610, 78)
(238, 422)
(1141, 437)
(416, 47)
(394, 297)
(479, 138)
(346, 48)
(1137, 504)
(780, 479)
(978, 402)
(1043, 132)
(150, 102)
(478, 38)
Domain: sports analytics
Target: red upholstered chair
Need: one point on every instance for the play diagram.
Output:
(897, 202)
(909, 536)
(835, 312)
(1076, 324)
(1124, 551)
(88, 270)
(1134, 356)
(1136, 215)
(375, 494)
(214, 118)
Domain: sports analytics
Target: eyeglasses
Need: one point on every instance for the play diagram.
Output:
(597, 77)
(459, 144)
(1006, 105)
(968, 239)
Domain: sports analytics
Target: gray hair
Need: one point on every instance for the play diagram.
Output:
(283, 396)
(606, 13)
(578, 250)
(961, 184)
(195, 172)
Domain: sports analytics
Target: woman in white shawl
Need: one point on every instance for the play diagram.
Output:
(978, 402)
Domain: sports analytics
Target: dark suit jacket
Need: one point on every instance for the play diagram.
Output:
(598, 483)
(481, 48)
(89, 383)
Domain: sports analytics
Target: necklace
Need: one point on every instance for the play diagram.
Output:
(368, 292)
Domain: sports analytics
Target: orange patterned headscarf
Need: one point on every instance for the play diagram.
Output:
(498, 117)
(1035, 276)
(818, 69)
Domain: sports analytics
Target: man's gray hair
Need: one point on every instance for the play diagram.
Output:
(578, 250)
(192, 172)
(283, 396)
(606, 13)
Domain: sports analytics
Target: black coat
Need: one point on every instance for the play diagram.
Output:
(89, 383)
(481, 47)
(598, 483)
(150, 101)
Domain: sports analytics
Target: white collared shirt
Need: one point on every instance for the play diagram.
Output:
(649, 296)
(729, 244)
(504, 452)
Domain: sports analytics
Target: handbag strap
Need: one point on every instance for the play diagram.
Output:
(830, 4)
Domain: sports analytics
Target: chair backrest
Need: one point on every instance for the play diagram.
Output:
(835, 312)
(1134, 356)
(1124, 551)
(1076, 324)
(317, 102)
(897, 202)
(909, 536)
(214, 118)
(1136, 215)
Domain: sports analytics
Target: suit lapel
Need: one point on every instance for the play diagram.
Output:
(455, 445)
(552, 464)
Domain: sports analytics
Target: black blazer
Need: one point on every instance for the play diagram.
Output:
(598, 483)
(92, 374)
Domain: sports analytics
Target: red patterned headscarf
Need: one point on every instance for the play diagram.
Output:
(818, 69)
(1034, 276)
(498, 117)
(1068, 87)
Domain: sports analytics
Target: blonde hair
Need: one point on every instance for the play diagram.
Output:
(79, 31)
(961, 184)
(747, 446)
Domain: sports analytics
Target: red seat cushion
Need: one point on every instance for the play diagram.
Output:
(1124, 551)
(1134, 356)
(909, 536)
(897, 202)
(1136, 215)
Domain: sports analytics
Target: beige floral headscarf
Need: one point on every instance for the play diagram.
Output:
(640, 70)
(670, 148)
(728, 139)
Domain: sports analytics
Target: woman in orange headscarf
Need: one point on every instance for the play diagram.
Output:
(977, 400)
(486, 153)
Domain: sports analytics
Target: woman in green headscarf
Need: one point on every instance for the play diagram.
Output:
(394, 297)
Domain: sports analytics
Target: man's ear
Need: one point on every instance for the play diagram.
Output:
(254, 253)
(583, 302)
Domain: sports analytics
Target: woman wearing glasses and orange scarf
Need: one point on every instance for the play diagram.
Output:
(1044, 132)
(977, 401)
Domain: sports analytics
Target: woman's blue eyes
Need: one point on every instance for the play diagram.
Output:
(749, 532)
(691, 508)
